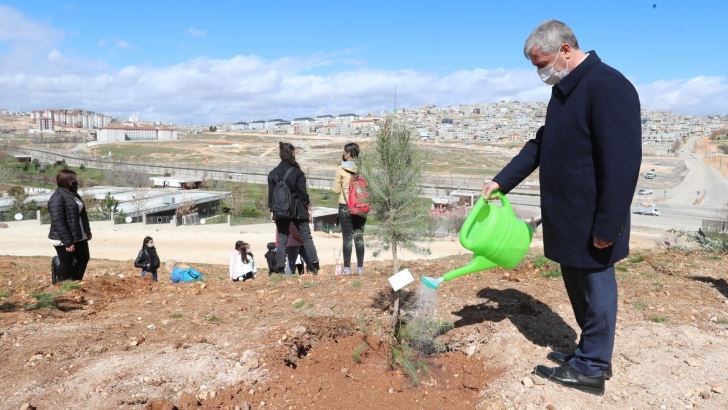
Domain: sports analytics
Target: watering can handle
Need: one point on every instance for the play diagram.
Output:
(504, 201)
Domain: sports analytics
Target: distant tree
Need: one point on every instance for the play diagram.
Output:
(213, 128)
(36, 163)
(26, 166)
(20, 202)
(109, 206)
(236, 202)
(139, 200)
(5, 172)
(127, 176)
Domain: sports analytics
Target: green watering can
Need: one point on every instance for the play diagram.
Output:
(495, 236)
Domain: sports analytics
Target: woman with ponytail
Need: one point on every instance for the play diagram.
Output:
(290, 172)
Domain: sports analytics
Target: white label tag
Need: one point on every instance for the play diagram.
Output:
(401, 279)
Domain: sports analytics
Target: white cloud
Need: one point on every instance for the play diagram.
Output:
(102, 42)
(355, 62)
(197, 32)
(121, 44)
(697, 96)
(204, 90)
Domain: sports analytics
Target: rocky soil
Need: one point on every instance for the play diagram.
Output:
(119, 341)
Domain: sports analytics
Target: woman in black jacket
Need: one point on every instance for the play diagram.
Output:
(300, 208)
(70, 230)
(147, 260)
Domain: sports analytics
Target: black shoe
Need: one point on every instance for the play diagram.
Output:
(315, 267)
(563, 358)
(569, 377)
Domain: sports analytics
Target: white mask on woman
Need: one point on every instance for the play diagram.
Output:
(150, 245)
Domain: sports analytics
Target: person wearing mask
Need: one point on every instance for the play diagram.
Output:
(148, 260)
(291, 174)
(352, 226)
(589, 155)
(70, 231)
(242, 263)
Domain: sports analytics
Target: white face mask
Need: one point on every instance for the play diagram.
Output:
(150, 245)
(551, 77)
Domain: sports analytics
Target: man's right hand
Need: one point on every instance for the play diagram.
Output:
(488, 189)
(70, 249)
(272, 219)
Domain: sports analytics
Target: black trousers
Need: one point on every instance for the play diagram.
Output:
(67, 269)
(352, 228)
(283, 226)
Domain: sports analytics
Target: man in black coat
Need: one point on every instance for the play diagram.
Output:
(589, 154)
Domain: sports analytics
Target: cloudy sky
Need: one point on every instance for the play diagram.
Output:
(222, 61)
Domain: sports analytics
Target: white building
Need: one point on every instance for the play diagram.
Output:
(112, 134)
(256, 125)
(239, 126)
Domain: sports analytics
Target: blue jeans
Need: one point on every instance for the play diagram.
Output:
(593, 296)
(153, 272)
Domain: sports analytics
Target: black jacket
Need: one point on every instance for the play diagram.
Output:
(296, 183)
(63, 210)
(589, 154)
(147, 256)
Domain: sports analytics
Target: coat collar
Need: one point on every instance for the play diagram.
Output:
(570, 81)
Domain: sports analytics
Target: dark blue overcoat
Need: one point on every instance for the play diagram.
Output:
(589, 154)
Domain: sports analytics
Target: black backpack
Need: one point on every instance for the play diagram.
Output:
(282, 204)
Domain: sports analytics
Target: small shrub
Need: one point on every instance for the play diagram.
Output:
(636, 259)
(175, 316)
(68, 286)
(309, 284)
(410, 361)
(299, 304)
(722, 321)
(551, 274)
(357, 352)
(659, 319)
(639, 305)
(541, 261)
(356, 284)
(361, 321)
(276, 277)
(211, 318)
(45, 300)
(714, 258)
(620, 268)
(4, 295)
(657, 285)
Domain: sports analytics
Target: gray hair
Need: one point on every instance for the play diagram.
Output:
(549, 36)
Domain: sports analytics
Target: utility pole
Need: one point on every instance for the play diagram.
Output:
(395, 98)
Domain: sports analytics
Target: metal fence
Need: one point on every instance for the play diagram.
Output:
(8, 216)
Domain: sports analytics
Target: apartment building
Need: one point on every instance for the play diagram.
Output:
(118, 134)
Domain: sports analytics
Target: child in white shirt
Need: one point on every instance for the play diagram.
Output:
(242, 263)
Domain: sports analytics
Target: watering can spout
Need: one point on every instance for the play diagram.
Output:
(478, 263)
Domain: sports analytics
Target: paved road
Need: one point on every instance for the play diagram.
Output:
(700, 180)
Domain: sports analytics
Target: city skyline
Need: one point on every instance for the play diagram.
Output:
(229, 62)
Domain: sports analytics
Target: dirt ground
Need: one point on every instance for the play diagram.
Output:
(113, 342)
(718, 161)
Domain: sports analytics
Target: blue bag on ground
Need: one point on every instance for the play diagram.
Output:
(185, 274)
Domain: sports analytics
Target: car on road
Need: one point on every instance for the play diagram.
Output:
(693, 156)
(645, 192)
(650, 175)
